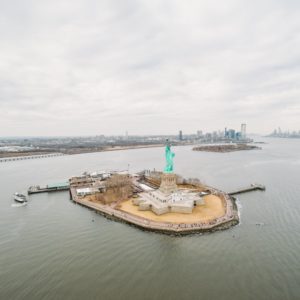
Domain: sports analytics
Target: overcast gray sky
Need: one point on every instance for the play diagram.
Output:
(87, 67)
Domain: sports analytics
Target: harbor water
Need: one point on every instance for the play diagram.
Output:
(51, 248)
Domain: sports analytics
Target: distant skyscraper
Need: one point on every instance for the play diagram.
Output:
(231, 133)
(180, 135)
(243, 131)
(199, 133)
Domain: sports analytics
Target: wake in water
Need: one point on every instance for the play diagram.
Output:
(18, 204)
(239, 206)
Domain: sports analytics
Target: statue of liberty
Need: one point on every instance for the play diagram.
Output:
(169, 158)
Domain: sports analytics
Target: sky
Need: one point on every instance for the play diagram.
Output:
(86, 67)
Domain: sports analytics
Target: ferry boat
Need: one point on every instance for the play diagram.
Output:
(20, 198)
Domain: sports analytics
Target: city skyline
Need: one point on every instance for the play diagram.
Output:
(106, 67)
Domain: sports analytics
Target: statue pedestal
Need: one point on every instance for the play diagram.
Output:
(168, 183)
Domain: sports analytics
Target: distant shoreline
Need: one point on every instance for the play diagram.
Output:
(73, 151)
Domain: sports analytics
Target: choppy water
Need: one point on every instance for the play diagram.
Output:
(54, 249)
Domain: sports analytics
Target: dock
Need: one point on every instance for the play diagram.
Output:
(252, 187)
(64, 186)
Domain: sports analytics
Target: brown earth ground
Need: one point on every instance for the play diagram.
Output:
(212, 209)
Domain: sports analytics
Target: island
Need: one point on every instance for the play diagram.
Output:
(159, 201)
(225, 148)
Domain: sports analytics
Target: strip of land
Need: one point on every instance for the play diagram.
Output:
(72, 151)
(225, 148)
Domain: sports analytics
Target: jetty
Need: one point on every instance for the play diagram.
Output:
(15, 158)
(64, 186)
(252, 187)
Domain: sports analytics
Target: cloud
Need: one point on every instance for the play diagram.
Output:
(149, 67)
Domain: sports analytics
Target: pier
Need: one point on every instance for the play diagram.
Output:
(252, 187)
(15, 158)
(64, 186)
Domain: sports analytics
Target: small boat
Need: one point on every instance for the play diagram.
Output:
(20, 198)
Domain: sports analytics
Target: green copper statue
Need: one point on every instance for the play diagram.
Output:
(169, 158)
